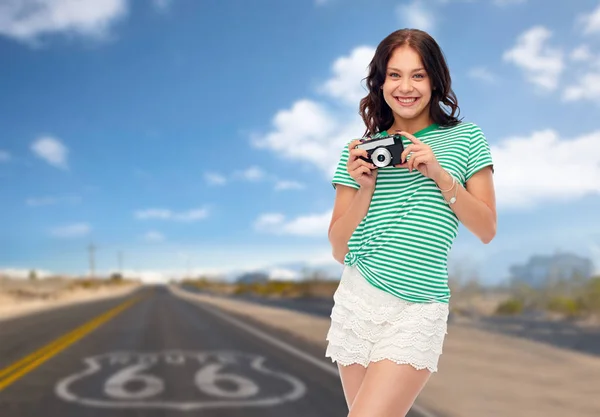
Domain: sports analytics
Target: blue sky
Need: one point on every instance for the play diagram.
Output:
(201, 136)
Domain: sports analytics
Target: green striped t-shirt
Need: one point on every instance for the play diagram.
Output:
(401, 246)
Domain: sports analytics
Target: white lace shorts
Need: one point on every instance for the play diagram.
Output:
(368, 325)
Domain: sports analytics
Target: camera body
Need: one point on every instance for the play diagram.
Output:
(383, 151)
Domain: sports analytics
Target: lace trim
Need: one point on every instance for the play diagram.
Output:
(347, 351)
(344, 357)
(359, 313)
(356, 344)
(405, 323)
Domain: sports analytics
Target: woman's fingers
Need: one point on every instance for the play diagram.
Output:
(355, 153)
(352, 148)
(360, 162)
(410, 148)
(353, 144)
(416, 159)
(356, 165)
(360, 171)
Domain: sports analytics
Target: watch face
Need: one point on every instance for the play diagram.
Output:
(453, 200)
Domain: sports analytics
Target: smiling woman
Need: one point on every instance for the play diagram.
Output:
(393, 225)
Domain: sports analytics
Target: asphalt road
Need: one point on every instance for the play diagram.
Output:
(556, 333)
(159, 356)
(320, 307)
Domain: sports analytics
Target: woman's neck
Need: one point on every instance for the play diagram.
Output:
(410, 126)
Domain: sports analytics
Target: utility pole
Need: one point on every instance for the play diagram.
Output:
(91, 250)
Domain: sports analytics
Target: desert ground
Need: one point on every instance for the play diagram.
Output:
(19, 297)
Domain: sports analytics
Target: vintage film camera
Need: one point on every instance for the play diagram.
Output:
(383, 151)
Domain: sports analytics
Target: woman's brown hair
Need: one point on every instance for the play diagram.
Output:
(376, 113)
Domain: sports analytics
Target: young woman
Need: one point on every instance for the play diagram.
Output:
(393, 227)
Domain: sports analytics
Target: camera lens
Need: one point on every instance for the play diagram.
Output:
(381, 157)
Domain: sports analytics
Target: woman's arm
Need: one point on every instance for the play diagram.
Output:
(475, 206)
(350, 207)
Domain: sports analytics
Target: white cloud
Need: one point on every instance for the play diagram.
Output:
(541, 177)
(541, 63)
(153, 236)
(314, 225)
(27, 20)
(416, 16)
(166, 214)
(252, 173)
(71, 230)
(4, 156)
(590, 21)
(51, 150)
(482, 73)
(154, 214)
(283, 274)
(288, 185)
(310, 133)
(587, 88)
(47, 201)
(268, 220)
(213, 178)
(149, 277)
(349, 71)
(581, 54)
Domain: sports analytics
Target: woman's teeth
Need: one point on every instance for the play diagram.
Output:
(406, 101)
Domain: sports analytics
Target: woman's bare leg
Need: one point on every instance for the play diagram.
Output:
(388, 390)
(352, 377)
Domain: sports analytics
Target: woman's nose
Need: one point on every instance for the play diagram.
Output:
(405, 85)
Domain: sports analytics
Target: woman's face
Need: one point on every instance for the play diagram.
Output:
(407, 87)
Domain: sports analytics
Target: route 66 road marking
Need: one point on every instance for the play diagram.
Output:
(216, 379)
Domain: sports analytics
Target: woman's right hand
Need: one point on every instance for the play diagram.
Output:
(363, 172)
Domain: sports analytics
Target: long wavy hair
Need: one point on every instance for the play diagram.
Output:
(376, 113)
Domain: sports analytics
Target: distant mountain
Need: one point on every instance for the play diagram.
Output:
(252, 277)
(292, 271)
(304, 270)
(540, 269)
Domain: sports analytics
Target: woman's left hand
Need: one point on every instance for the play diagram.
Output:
(421, 158)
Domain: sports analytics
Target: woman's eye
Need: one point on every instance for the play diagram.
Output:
(420, 75)
(393, 74)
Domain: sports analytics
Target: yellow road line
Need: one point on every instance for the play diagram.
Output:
(48, 347)
(32, 361)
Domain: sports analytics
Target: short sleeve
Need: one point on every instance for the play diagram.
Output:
(480, 155)
(341, 175)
